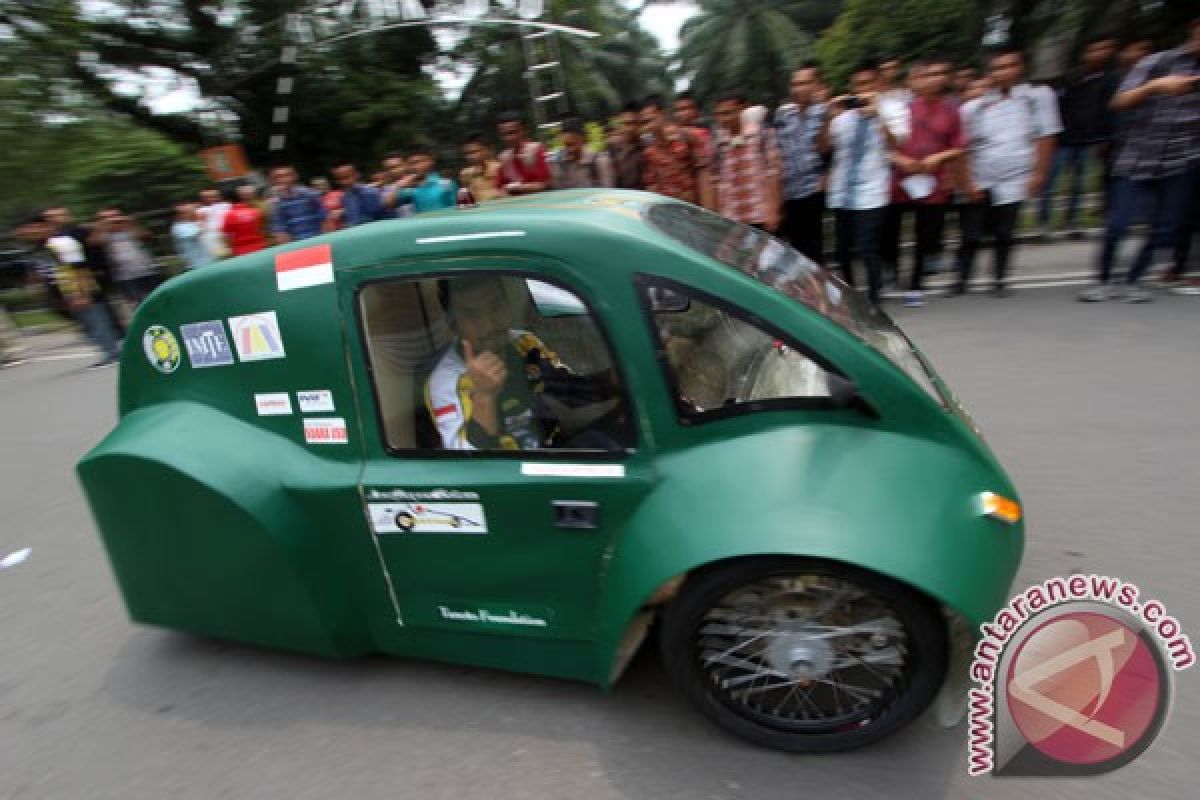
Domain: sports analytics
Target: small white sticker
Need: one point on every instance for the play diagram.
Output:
(326, 430)
(464, 518)
(315, 401)
(573, 470)
(273, 404)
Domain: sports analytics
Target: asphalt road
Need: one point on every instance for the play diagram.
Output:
(1093, 409)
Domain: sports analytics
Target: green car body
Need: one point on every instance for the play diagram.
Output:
(224, 521)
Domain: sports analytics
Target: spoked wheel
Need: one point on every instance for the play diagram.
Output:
(804, 655)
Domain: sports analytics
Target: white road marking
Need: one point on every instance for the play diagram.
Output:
(61, 357)
(15, 557)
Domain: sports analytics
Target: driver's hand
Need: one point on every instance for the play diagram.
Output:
(486, 370)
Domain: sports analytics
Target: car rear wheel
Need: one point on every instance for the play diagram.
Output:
(804, 655)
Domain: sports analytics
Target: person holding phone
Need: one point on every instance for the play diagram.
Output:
(1158, 167)
(860, 139)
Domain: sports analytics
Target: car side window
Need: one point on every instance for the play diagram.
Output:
(490, 362)
(717, 359)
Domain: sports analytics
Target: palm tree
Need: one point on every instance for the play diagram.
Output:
(624, 62)
(751, 45)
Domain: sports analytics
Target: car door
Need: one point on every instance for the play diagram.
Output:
(489, 539)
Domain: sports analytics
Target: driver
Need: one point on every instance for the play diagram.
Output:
(489, 389)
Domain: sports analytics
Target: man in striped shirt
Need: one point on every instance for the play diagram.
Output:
(1157, 170)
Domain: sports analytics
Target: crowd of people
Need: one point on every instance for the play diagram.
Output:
(926, 141)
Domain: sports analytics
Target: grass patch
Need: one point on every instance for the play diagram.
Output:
(39, 318)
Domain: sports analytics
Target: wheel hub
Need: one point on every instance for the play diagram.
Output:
(803, 654)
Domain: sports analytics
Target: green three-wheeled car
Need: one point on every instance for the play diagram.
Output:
(523, 435)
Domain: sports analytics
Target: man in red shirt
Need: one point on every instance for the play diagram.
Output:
(687, 115)
(926, 164)
(523, 165)
(243, 225)
(745, 168)
(675, 159)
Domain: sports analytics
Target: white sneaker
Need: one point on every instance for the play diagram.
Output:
(1186, 288)
(1097, 294)
(1136, 294)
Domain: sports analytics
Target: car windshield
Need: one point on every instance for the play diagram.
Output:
(767, 259)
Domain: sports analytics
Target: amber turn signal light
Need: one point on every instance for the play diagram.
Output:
(999, 507)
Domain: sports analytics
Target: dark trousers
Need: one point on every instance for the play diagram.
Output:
(804, 225)
(1189, 225)
(858, 232)
(929, 223)
(1001, 221)
(1161, 200)
(98, 328)
(1072, 158)
(135, 290)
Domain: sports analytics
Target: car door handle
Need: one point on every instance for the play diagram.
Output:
(576, 514)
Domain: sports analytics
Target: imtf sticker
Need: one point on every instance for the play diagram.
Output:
(299, 269)
(315, 401)
(326, 430)
(162, 349)
(273, 404)
(464, 518)
(206, 343)
(257, 336)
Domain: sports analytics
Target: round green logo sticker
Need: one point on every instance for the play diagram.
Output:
(162, 349)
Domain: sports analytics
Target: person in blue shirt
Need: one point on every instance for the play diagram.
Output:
(360, 203)
(296, 211)
(429, 190)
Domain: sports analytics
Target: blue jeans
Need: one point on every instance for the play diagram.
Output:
(1073, 157)
(99, 328)
(1161, 202)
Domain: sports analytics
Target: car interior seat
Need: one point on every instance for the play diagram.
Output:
(407, 331)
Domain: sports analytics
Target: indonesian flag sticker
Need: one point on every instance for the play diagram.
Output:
(308, 266)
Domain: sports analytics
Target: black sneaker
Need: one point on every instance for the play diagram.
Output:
(104, 363)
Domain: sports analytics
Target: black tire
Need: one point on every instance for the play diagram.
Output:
(922, 649)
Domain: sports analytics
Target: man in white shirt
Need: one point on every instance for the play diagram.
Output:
(860, 180)
(211, 213)
(1011, 134)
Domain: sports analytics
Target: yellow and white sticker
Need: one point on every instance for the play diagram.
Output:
(423, 517)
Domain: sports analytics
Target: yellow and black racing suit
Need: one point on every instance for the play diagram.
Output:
(525, 421)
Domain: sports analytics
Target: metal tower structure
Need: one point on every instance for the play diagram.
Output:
(546, 79)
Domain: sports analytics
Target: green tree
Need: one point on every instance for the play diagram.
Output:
(751, 45)
(229, 55)
(903, 28)
(115, 163)
(623, 63)
(912, 28)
